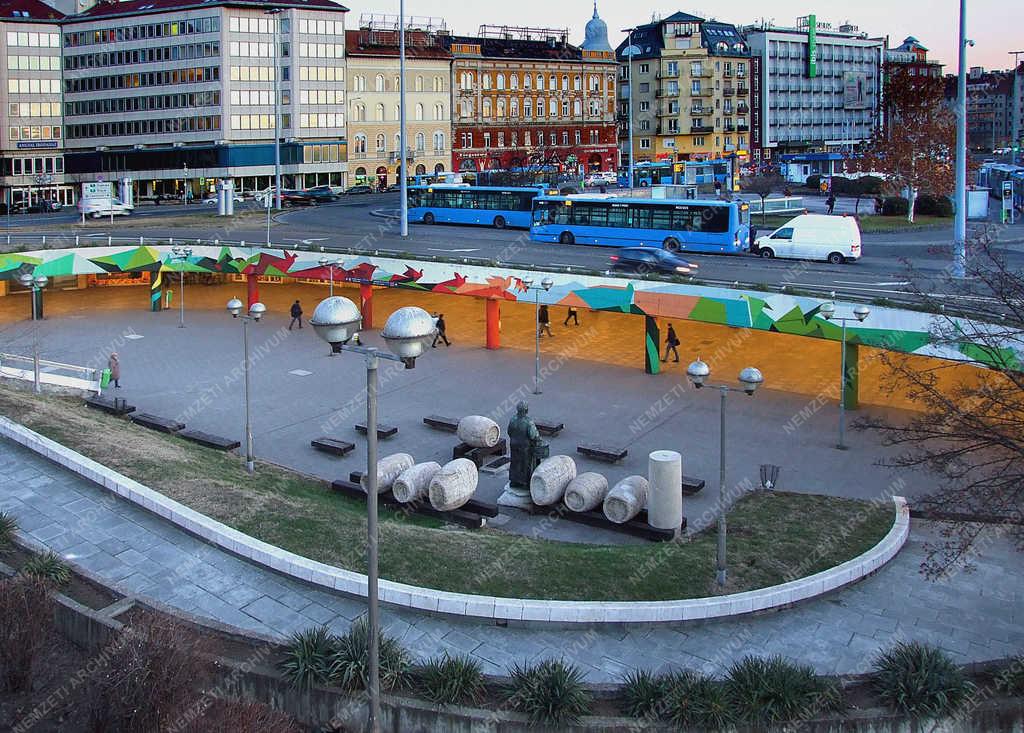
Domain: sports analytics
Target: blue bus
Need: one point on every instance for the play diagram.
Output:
(483, 205)
(678, 225)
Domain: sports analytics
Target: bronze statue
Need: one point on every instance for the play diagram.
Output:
(526, 451)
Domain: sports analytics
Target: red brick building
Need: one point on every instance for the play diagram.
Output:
(527, 98)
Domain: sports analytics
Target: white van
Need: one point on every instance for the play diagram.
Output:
(97, 207)
(835, 239)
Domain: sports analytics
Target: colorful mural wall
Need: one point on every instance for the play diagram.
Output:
(889, 328)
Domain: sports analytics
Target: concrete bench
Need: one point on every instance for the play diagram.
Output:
(383, 431)
(332, 446)
(636, 527)
(545, 427)
(210, 441)
(115, 406)
(480, 456)
(160, 424)
(476, 506)
(606, 453)
(692, 485)
(464, 516)
(439, 422)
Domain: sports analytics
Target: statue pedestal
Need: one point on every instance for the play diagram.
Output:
(515, 497)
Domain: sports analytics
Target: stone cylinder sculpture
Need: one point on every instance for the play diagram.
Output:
(412, 484)
(389, 468)
(625, 500)
(478, 431)
(586, 492)
(550, 479)
(453, 485)
(665, 489)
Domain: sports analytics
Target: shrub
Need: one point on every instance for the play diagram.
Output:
(698, 701)
(26, 617)
(236, 716)
(644, 694)
(307, 660)
(776, 690)
(928, 205)
(813, 181)
(920, 680)
(860, 186)
(894, 206)
(550, 692)
(350, 659)
(8, 526)
(48, 566)
(1011, 679)
(447, 680)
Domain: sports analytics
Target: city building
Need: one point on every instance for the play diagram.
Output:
(912, 57)
(372, 52)
(991, 99)
(176, 94)
(33, 142)
(820, 91)
(909, 75)
(527, 99)
(689, 81)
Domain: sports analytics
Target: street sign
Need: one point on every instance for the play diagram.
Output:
(96, 190)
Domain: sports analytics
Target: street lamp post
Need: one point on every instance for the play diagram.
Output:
(630, 52)
(274, 12)
(403, 183)
(181, 254)
(960, 187)
(407, 332)
(860, 312)
(36, 284)
(750, 379)
(545, 285)
(185, 179)
(256, 311)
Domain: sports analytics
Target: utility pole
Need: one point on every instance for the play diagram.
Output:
(274, 13)
(960, 190)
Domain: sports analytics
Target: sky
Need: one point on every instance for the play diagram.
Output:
(996, 26)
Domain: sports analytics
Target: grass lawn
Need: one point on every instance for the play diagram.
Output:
(772, 536)
(868, 224)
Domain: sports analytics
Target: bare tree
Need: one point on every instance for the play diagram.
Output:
(969, 432)
(762, 185)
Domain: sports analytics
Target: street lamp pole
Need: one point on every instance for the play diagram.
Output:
(274, 12)
(750, 379)
(629, 97)
(182, 254)
(324, 262)
(403, 183)
(256, 311)
(960, 189)
(35, 285)
(545, 285)
(860, 312)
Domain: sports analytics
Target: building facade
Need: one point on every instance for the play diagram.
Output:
(33, 140)
(178, 94)
(991, 100)
(689, 83)
(373, 69)
(526, 99)
(820, 88)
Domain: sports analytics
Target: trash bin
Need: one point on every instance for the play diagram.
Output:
(104, 379)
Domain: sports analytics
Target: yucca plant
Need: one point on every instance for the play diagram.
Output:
(307, 661)
(644, 694)
(920, 680)
(773, 689)
(350, 659)
(697, 701)
(448, 680)
(48, 566)
(8, 526)
(551, 692)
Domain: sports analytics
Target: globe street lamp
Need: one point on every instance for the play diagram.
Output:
(256, 311)
(750, 378)
(860, 312)
(407, 333)
(545, 285)
(181, 255)
(35, 284)
(330, 264)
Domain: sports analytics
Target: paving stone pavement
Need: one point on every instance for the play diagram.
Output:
(975, 616)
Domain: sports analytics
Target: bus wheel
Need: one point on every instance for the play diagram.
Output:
(671, 244)
(499, 222)
(835, 258)
(428, 218)
(567, 238)
(767, 253)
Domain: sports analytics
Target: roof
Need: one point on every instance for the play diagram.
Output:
(518, 48)
(28, 11)
(415, 45)
(647, 38)
(680, 17)
(137, 7)
(712, 33)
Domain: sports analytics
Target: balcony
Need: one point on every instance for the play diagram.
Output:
(668, 112)
(727, 73)
(698, 111)
(669, 93)
(701, 73)
(742, 109)
(703, 92)
(743, 90)
(701, 129)
(727, 91)
(669, 74)
(743, 128)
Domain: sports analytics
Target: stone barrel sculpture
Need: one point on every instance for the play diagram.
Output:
(550, 479)
(453, 485)
(665, 490)
(478, 431)
(389, 468)
(625, 500)
(413, 483)
(586, 492)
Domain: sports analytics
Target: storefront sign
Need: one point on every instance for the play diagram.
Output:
(37, 144)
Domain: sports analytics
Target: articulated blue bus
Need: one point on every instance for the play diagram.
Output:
(678, 225)
(482, 205)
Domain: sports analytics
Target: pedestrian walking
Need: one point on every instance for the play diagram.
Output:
(440, 334)
(671, 344)
(296, 315)
(543, 321)
(718, 189)
(114, 364)
(830, 203)
(571, 316)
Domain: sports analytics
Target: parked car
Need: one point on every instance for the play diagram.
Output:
(44, 206)
(322, 194)
(360, 189)
(835, 239)
(212, 200)
(650, 259)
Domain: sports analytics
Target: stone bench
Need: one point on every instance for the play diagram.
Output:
(332, 446)
(549, 428)
(383, 431)
(160, 424)
(115, 406)
(439, 422)
(480, 456)
(463, 516)
(606, 453)
(636, 527)
(692, 485)
(476, 506)
(210, 441)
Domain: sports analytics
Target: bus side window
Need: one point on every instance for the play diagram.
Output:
(562, 214)
(661, 217)
(640, 217)
(682, 219)
(618, 216)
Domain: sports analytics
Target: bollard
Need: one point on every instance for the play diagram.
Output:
(110, 241)
(140, 240)
(44, 241)
(76, 240)
(216, 243)
(170, 241)
(242, 243)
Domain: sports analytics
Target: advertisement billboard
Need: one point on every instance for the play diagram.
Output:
(856, 90)
(812, 46)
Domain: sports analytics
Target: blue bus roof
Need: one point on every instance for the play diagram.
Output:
(627, 200)
(462, 187)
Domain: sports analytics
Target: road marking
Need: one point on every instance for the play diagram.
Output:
(300, 372)
(91, 236)
(134, 336)
(306, 241)
(857, 282)
(435, 249)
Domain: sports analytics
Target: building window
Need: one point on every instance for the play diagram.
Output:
(501, 139)
(500, 81)
(645, 106)
(645, 143)
(565, 137)
(487, 139)
(645, 68)
(421, 142)
(577, 137)
(698, 141)
(526, 138)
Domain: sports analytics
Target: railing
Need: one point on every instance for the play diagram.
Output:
(701, 129)
(742, 90)
(15, 366)
(668, 74)
(701, 73)
(742, 109)
(743, 128)
(776, 205)
(728, 91)
(703, 92)
(698, 111)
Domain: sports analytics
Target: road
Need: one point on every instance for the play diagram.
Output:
(358, 223)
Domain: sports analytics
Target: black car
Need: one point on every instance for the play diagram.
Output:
(297, 198)
(643, 260)
(321, 194)
(351, 190)
(394, 188)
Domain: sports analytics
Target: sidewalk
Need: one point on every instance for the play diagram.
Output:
(975, 616)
